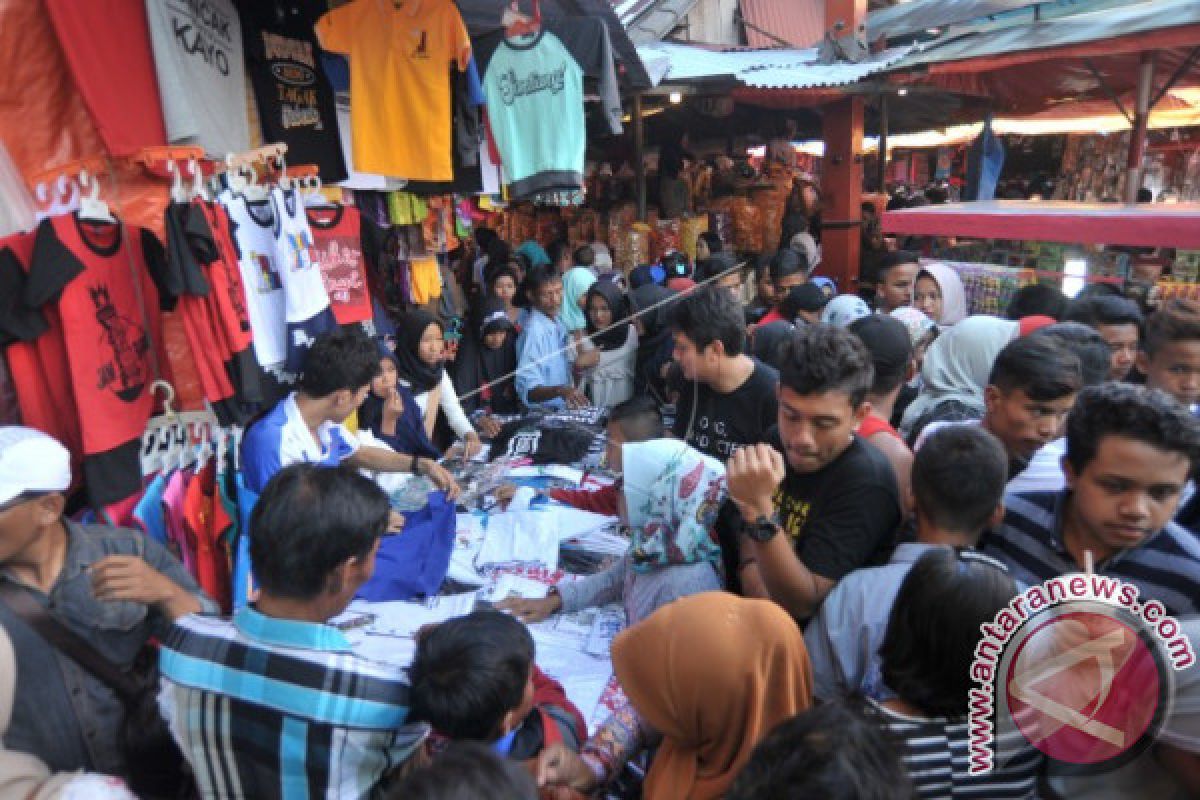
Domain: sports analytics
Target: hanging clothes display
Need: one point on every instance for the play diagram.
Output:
(306, 305)
(201, 73)
(104, 40)
(254, 233)
(295, 100)
(97, 276)
(344, 245)
(534, 91)
(400, 53)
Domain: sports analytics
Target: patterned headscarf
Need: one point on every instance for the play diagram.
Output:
(672, 493)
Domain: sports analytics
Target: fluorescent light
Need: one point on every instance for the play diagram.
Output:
(902, 92)
(676, 98)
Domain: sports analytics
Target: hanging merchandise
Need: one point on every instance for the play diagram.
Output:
(400, 54)
(201, 73)
(107, 46)
(467, 138)
(535, 111)
(345, 245)
(306, 304)
(354, 179)
(253, 230)
(97, 278)
(295, 101)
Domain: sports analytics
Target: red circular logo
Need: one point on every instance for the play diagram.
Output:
(1083, 687)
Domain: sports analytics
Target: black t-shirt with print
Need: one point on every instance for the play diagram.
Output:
(843, 516)
(725, 422)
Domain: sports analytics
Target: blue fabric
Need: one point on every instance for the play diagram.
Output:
(414, 562)
(504, 745)
(536, 254)
(281, 438)
(149, 510)
(542, 358)
(243, 571)
(474, 85)
(337, 70)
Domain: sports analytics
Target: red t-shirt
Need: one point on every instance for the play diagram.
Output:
(343, 246)
(107, 46)
(97, 276)
(873, 425)
(37, 358)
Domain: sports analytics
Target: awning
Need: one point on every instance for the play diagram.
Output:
(918, 16)
(1026, 67)
(778, 68)
(1146, 225)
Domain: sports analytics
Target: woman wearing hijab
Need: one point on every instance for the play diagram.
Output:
(610, 334)
(487, 360)
(921, 332)
(654, 339)
(708, 676)
(844, 309)
(576, 282)
(940, 294)
(25, 777)
(391, 413)
(420, 348)
(669, 496)
(955, 372)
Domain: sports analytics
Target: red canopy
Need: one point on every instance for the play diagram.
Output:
(1146, 225)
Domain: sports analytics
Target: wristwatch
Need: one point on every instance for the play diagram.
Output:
(763, 529)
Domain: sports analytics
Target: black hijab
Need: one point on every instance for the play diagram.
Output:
(421, 377)
(618, 330)
(654, 348)
(477, 365)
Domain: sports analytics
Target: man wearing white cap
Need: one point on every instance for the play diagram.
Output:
(113, 587)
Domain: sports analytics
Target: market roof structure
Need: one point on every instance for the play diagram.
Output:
(1031, 65)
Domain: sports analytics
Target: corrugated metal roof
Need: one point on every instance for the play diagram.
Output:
(800, 23)
(918, 15)
(1096, 26)
(781, 68)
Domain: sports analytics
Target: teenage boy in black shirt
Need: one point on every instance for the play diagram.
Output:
(831, 504)
(727, 399)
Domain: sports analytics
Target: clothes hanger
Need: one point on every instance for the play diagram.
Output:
(312, 194)
(517, 24)
(198, 190)
(178, 192)
(91, 207)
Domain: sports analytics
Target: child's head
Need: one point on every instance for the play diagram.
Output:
(947, 503)
(502, 283)
(472, 677)
(1170, 356)
(636, 420)
(383, 383)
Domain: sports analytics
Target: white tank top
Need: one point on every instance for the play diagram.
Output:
(254, 233)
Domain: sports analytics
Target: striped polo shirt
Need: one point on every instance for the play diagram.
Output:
(1164, 567)
(271, 708)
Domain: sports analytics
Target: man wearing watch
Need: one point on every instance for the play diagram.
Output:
(818, 501)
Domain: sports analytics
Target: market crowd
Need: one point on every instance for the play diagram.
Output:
(826, 496)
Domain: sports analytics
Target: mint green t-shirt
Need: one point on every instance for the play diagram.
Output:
(534, 94)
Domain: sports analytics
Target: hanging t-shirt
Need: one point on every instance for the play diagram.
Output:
(254, 233)
(305, 302)
(201, 72)
(399, 82)
(343, 245)
(108, 306)
(107, 46)
(534, 94)
(295, 101)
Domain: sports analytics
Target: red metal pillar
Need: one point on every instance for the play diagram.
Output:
(1141, 119)
(841, 167)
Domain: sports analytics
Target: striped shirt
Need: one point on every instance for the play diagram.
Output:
(271, 708)
(1164, 567)
(935, 753)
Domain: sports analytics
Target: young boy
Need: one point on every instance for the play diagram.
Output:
(844, 638)
(1170, 355)
(474, 678)
(897, 276)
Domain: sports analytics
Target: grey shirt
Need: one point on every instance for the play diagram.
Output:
(844, 637)
(61, 713)
(640, 593)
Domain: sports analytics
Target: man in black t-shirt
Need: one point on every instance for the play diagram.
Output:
(726, 398)
(831, 505)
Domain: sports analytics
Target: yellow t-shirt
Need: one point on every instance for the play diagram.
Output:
(400, 54)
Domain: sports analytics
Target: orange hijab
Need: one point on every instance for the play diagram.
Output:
(714, 673)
